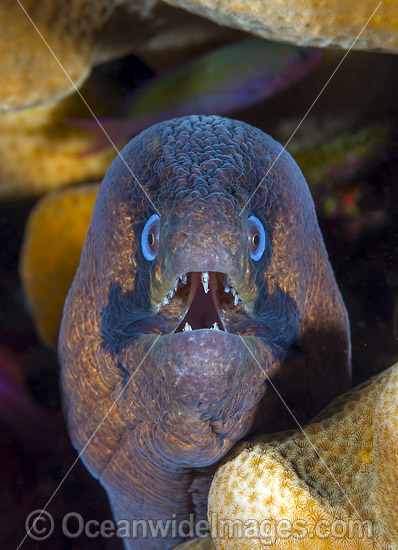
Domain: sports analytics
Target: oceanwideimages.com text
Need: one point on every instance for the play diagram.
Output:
(40, 525)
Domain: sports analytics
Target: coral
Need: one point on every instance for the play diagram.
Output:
(39, 153)
(50, 255)
(81, 34)
(331, 485)
(307, 22)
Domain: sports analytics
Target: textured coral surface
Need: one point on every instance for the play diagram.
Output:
(331, 485)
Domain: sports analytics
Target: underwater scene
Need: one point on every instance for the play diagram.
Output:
(222, 373)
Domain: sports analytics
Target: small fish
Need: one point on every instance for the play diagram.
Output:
(338, 159)
(220, 82)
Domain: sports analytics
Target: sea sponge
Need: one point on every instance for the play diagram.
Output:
(332, 485)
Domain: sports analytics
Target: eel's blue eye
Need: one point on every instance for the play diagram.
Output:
(150, 238)
(256, 237)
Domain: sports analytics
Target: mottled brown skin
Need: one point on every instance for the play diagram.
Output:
(196, 393)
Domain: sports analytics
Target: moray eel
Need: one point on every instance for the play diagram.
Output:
(196, 316)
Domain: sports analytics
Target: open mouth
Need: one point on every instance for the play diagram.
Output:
(203, 300)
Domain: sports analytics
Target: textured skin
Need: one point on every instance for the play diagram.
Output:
(334, 487)
(195, 393)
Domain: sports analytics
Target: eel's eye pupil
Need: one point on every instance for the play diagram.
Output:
(256, 237)
(150, 238)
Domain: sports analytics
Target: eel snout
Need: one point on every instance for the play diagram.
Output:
(204, 242)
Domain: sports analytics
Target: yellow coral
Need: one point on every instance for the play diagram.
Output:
(308, 22)
(83, 33)
(38, 152)
(332, 485)
(51, 250)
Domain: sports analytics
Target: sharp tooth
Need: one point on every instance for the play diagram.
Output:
(187, 327)
(233, 291)
(184, 279)
(205, 281)
(165, 301)
(227, 289)
(236, 299)
(215, 326)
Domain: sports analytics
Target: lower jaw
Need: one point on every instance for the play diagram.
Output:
(203, 366)
(206, 387)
